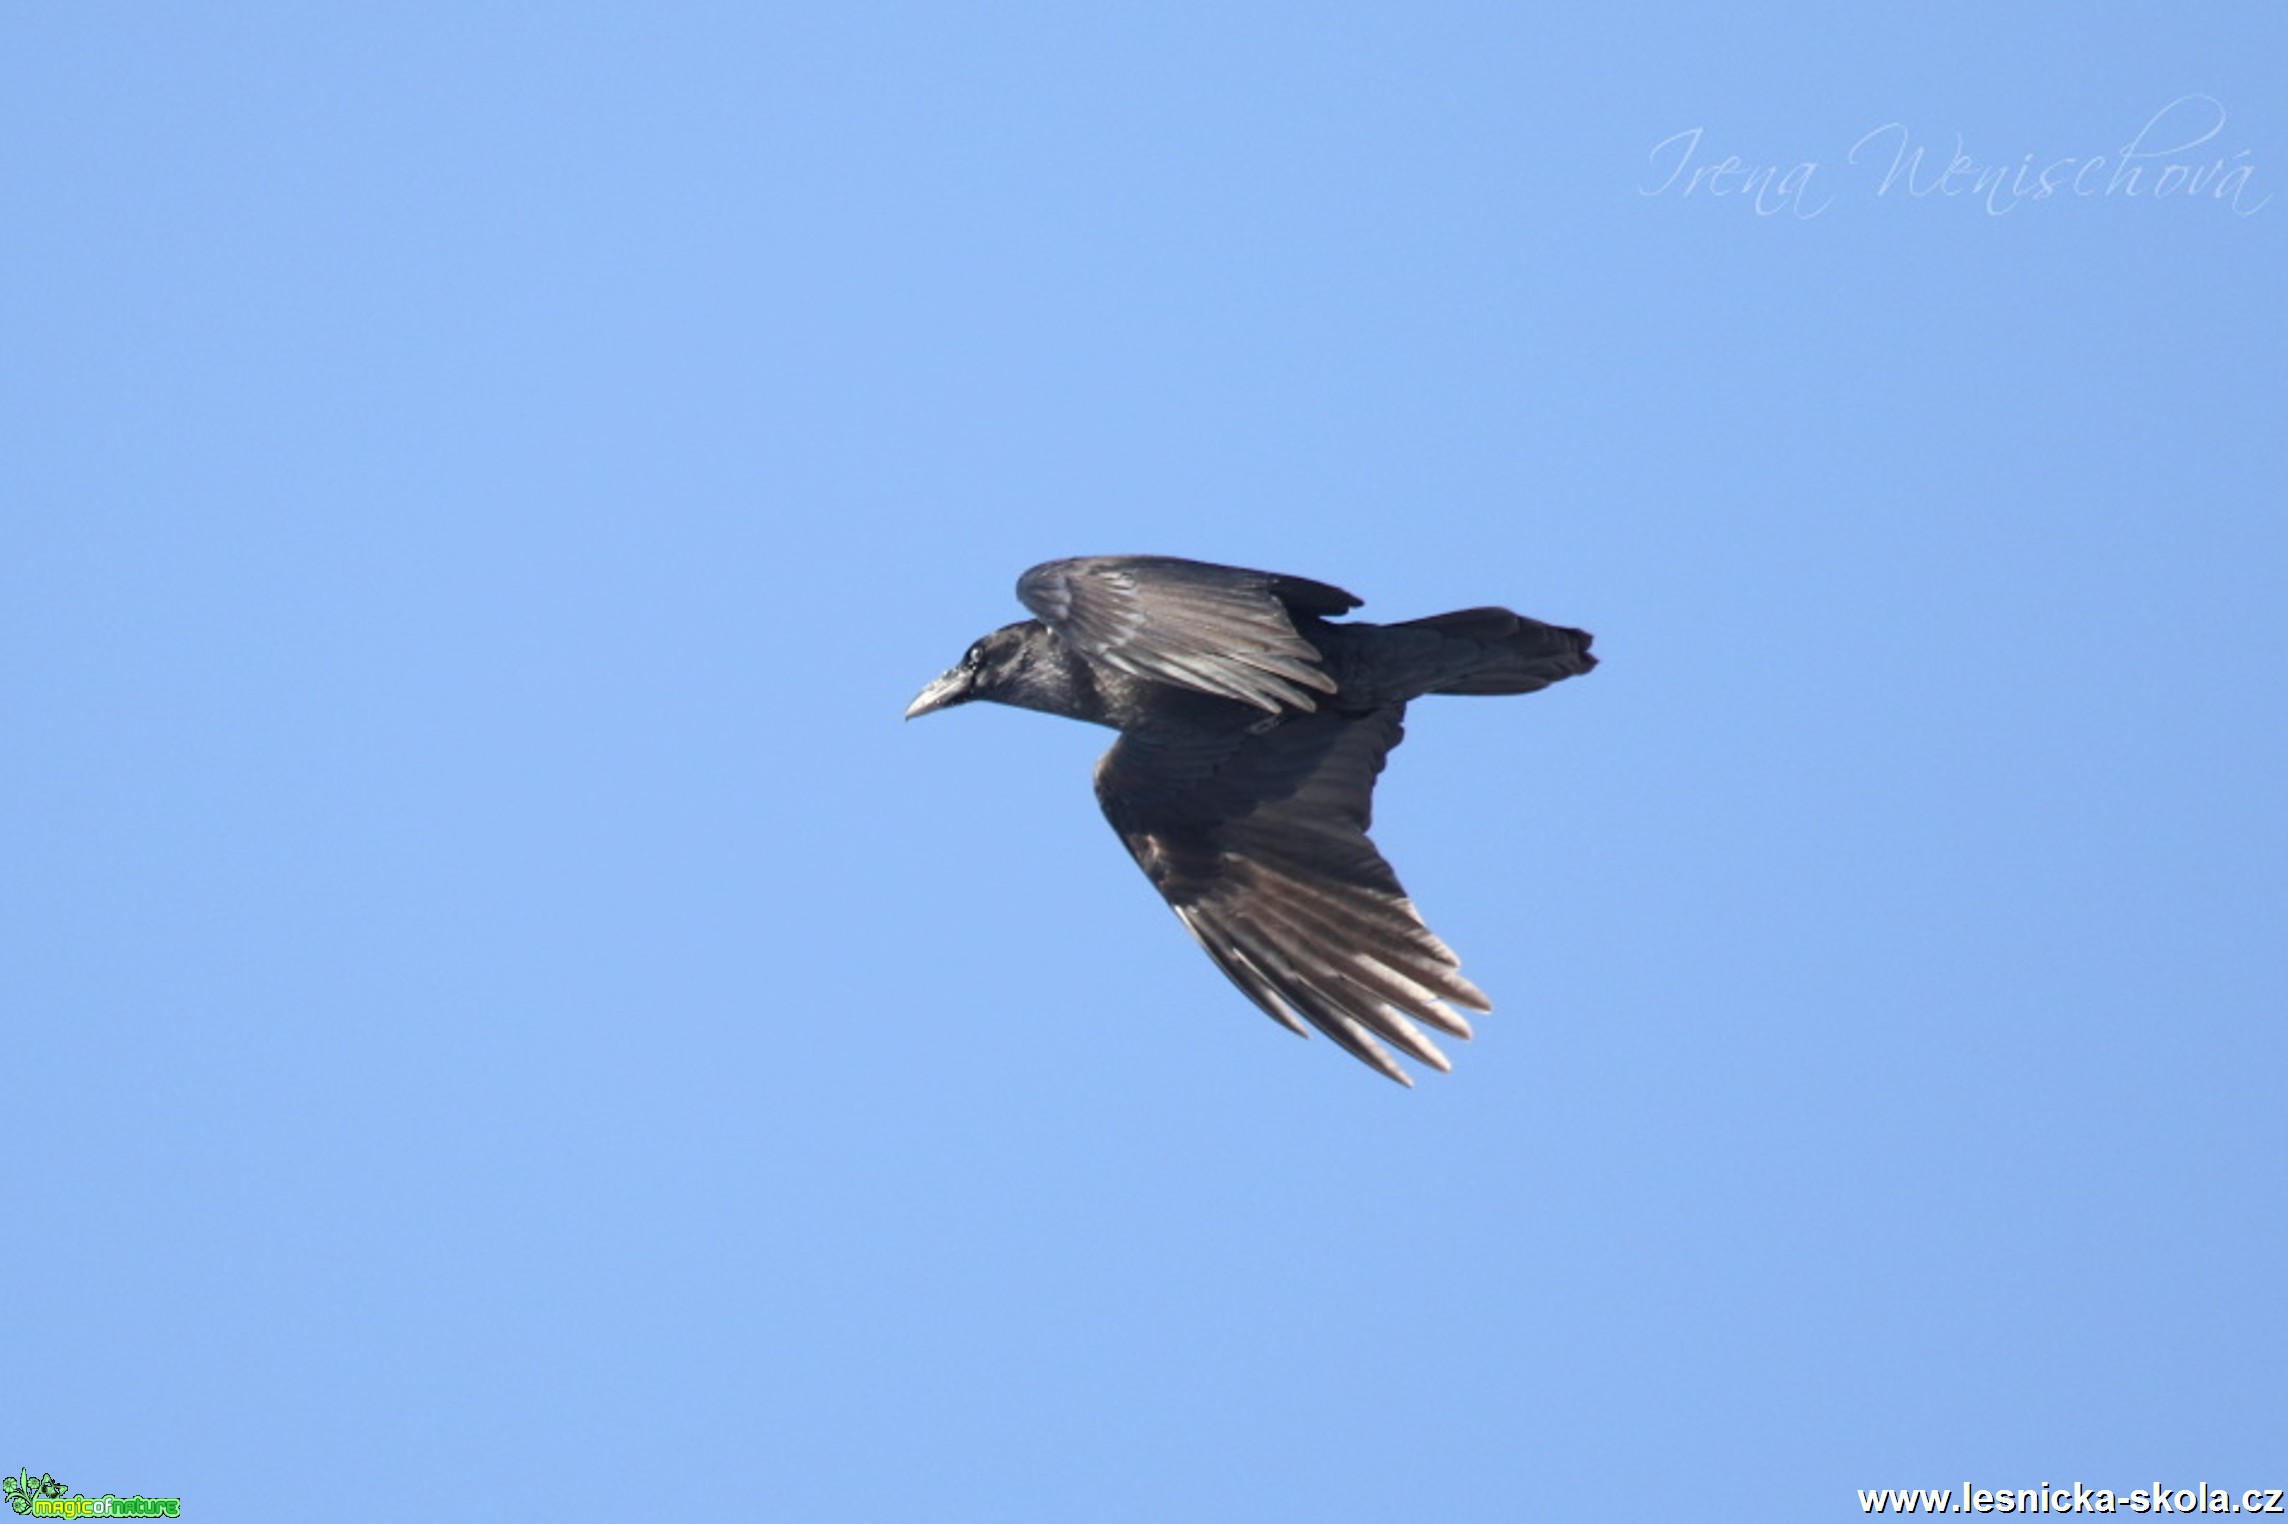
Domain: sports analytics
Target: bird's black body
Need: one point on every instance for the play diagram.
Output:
(1252, 729)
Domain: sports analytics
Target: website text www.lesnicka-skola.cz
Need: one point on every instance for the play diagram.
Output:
(2056, 1498)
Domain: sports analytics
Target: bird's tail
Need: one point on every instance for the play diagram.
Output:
(1495, 651)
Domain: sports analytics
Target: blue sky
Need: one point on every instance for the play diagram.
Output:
(499, 1011)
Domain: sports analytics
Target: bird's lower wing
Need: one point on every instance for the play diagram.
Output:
(1263, 853)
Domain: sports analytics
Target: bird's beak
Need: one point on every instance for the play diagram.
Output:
(943, 693)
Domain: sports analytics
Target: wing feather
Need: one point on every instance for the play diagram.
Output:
(1258, 840)
(1223, 630)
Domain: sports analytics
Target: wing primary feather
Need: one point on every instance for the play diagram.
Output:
(1240, 972)
(1395, 986)
(1338, 1025)
(1389, 923)
(1384, 1009)
(1386, 1024)
(1383, 981)
(1392, 925)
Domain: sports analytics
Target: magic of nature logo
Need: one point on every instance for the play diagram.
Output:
(44, 1497)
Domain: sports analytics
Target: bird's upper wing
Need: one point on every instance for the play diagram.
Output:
(1218, 629)
(1259, 842)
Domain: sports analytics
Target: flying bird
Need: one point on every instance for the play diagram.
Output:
(1252, 729)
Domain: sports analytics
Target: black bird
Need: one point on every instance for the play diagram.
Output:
(1251, 733)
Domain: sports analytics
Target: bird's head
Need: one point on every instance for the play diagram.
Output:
(994, 668)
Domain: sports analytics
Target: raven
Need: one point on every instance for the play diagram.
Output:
(1251, 733)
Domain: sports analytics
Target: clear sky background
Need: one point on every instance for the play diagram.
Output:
(499, 1013)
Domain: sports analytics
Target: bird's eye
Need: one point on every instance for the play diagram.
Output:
(975, 657)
